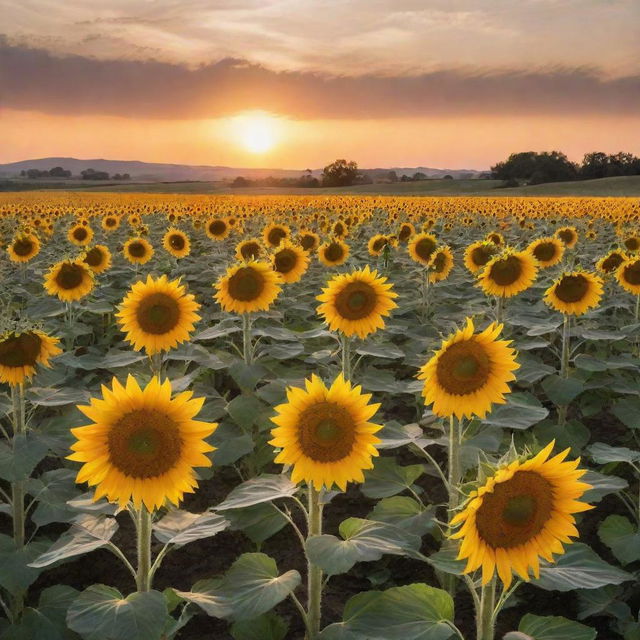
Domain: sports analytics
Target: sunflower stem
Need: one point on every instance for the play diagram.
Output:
(500, 310)
(454, 477)
(68, 339)
(314, 573)
(564, 364)
(143, 526)
(485, 619)
(247, 348)
(345, 342)
(155, 361)
(18, 487)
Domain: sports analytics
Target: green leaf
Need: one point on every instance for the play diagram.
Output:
(404, 512)
(259, 522)
(622, 537)
(388, 351)
(363, 541)
(52, 491)
(57, 397)
(245, 409)
(412, 612)
(232, 443)
(445, 560)
(627, 411)
(180, 527)
(102, 613)
(87, 534)
(601, 485)
(561, 391)
(573, 434)
(268, 626)
(554, 628)
(521, 411)
(603, 454)
(579, 568)
(18, 461)
(388, 478)
(16, 574)
(264, 488)
(208, 595)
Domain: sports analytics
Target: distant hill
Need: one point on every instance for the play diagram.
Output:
(155, 171)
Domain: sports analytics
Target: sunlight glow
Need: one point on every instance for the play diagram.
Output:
(256, 131)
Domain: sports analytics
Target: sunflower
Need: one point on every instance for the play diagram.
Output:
(422, 246)
(273, 234)
(376, 244)
(80, 235)
(440, 264)
(611, 262)
(20, 352)
(333, 253)
(110, 222)
(248, 286)
(98, 258)
(574, 293)
(476, 255)
(469, 372)
(521, 513)
(138, 250)
(142, 444)
(69, 280)
(23, 247)
(355, 303)
(177, 243)
(508, 274)
(632, 243)
(547, 251)
(249, 249)
(628, 275)
(290, 261)
(325, 433)
(496, 238)
(568, 235)
(406, 231)
(217, 228)
(309, 240)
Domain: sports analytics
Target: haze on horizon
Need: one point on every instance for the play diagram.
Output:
(295, 84)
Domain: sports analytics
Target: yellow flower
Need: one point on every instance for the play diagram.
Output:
(218, 228)
(98, 259)
(138, 250)
(20, 352)
(422, 246)
(177, 243)
(477, 255)
(290, 261)
(333, 253)
(273, 234)
(568, 235)
(24, 247)
(547, 251)
(248, 286)
(440, 264)
(508, 274)
(628, 275)
(80, 235)
(574, 293)
(249, 249)
(69, 280)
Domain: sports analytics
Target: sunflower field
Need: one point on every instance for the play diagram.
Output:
(320, 418)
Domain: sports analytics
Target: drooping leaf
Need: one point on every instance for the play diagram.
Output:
(180, 527)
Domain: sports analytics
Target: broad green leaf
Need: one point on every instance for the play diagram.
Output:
(208, 595)
(573, 434)
(52, 491)
(387, 478)
(264, 488)
(388, 351)
(554, 628)
(102, 613)
(231, 443)
(268, 626)
(19, 460)
(57, 397)
(259, 521)
(521, 411)
(445, 560)
(605, 601)
(561, 391)
(622, 537)
(245, 410)
(579, 568)
(601, 485)
(627, 411)
(180, 527)
(603, 454)
(16, 573)
(404, 512)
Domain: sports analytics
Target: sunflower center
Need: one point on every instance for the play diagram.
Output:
(632, 273)
(144, 443)
(110, 222)
(137, 250)
(94, 257)
(275, 236)
(20, 351)
(158, 313)
(334, 252)
(515, 511)
(80, 233)
(356, 300)
(246, 284)
(285, 260)
(217, 227)
(326, 432)
(379, 244)
(176, 241)
(632, 244)
(439, 262)
(463, 368)
(572, 288)
(250, 250)
(612, 262)
(425, 247)
(481, 255)
(566, 235)
(69, 276)
(405, 232)
(545, 251)
(495, 238)
(22, 247)
(506, 271)
(307, 242)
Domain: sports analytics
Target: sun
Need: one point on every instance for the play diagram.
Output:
(256, 131)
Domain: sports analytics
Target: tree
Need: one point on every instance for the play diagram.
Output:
(418, 175)
(448, 177)
(340, 173)
(240, 181)
(59, 172)
(92, 174)
(534, 168)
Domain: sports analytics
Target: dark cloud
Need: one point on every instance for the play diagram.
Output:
(36, 80)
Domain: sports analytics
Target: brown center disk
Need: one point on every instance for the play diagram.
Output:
(545, 251)
(463, 368)
(144, 444)
(22, 247)
(250, 250)
(137, 250)
(632, 244)
(481, 255)
(20, 351)
(110, 222)
(334, 252)
(246, 284)
(506, 271)
(566, 235)
(424, 248)
(275, 236)
(176, 242)
(356, 300)
(612, 262)
(158, 313)
(495, 238)
(339, 229)
(405, 232)
(632, 273)
(94, 258)
(217, 227)
(326, 432)
(285, 260)
(69, 276)
(307, 242)
(439, 262)
(572, 288)
(379, 244)
(516, 511)
(80, 234)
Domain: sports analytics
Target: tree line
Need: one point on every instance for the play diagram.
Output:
(60, 172)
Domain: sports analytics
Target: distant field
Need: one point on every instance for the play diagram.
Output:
(621, 186)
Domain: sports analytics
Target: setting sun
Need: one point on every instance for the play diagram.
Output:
(256, 131)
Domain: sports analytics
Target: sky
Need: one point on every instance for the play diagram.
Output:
(299, 83)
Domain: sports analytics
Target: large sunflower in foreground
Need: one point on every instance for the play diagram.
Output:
(469, 372)
(628, 275)
(547, 251)
(157, 315)
(21, 352)
(508, 274)
(521, 513)
(248, 286)
(23, 247)
(138, 250)
(477, 254)
(421, 246)
(574, 293)
(177, 243)
(290, 261)
(325, 433)
(440, 264)
(98, 258)
(333, 253)
(610, 262)
(355, 303)
(69, 280)
(143, 444)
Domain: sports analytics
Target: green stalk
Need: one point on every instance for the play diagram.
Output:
(143, 531)
(500, 310)
(345, 342)
(314, 573)
(564, 364)
(454, 479)
(247, 349)
(18, 487)
(485, 617)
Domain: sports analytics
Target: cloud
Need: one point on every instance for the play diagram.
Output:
(34, 79)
